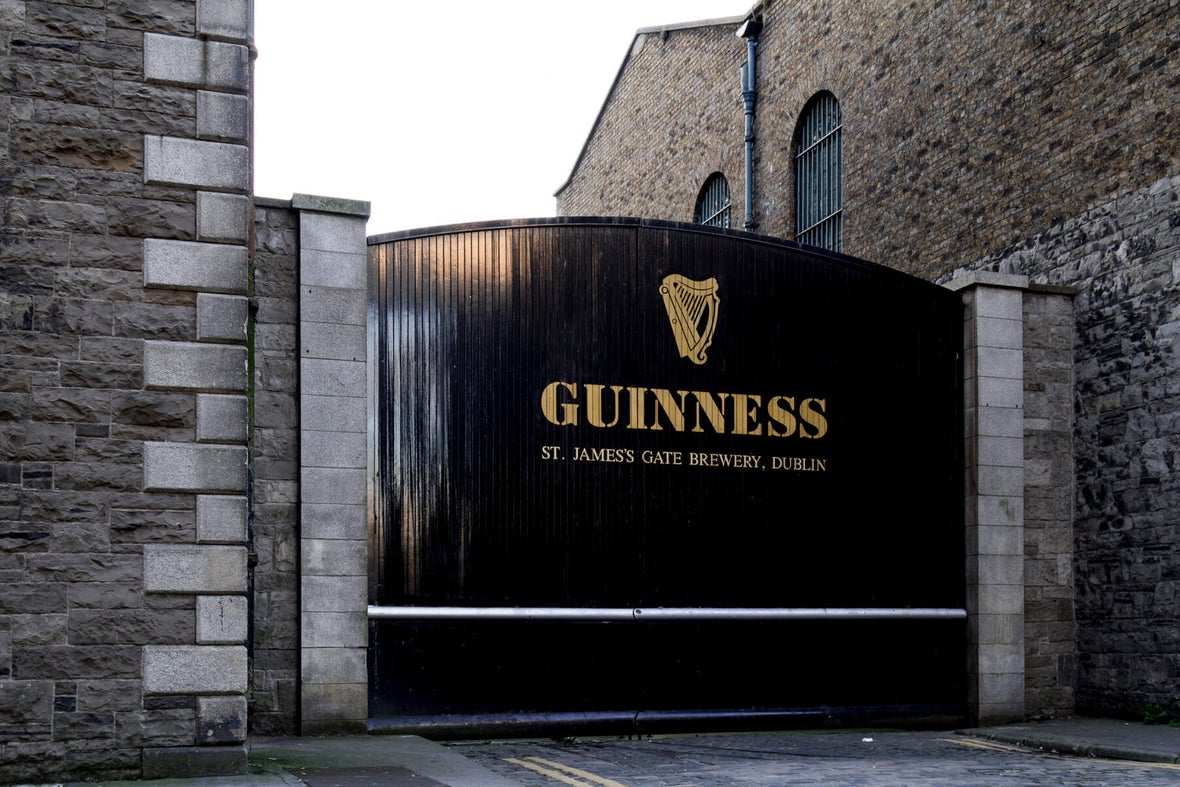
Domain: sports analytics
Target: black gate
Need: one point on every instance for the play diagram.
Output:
(639, 473)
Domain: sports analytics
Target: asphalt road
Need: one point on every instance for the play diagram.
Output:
(800, 758)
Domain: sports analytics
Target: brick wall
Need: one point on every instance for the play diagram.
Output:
(124, 160)
(967, 128)
(655, 144)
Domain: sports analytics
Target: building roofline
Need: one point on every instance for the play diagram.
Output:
(641, 32)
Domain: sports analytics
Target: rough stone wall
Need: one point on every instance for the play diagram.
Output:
(1050, 630)
(1123, 257)
(274, 450)
(124, 165)
(967, 127)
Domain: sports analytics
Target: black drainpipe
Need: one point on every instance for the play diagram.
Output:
(749, 31)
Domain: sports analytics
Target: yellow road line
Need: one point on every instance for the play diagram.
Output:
(996, 746)
(552, 774)
(579, 773)
(557, 771)
(982, 744)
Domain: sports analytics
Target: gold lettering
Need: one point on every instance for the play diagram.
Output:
(714, 412)
(635, 397)
(782, 415)
(594, 405)
(569, 412)
(674, 412)
(814, 416)
(743, 413)
(562, 404)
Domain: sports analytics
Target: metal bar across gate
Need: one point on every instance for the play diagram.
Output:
(604, 614)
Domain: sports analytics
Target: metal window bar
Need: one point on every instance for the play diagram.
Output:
(607, 614)
(818, 175)
(713, 206)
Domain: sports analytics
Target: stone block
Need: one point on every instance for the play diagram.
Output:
(334, 665)
(221, 620)
(194, 762)
(335, 629)
(1000, 362)
(332, 305)
(332, 232)
(996, 600)
(318, 204)
(345, 414)
(335, 593)
(333, 485)
(221, 519)
(335, 702)
(222, 116)
(334, 449)
(26, 702)
(225, 19)
(321, 377)
(221, 418)
(1001, 451)
(1000, 392)
(181, 60)
(221, 318)
(999, 332)
(178, 161)
(186, 467)
(334, 558)
(335, 269)
(321, 520)
(194, 366)
(996, 540)
(334, 342)
(194, 669)
(1000, 481)
(194, 568)
(189, 265)
(221, 720)
(223, 217)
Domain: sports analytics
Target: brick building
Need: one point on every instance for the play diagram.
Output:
(1035, 142)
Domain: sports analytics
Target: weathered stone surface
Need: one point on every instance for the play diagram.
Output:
(85, 568)
(26, 702)
(195, 669)
(194, 569)
(221, 318)
(108, 695)
(186, 265)
(185, 365)
(194, 468)
(67, 662)
(83, 148)
(131, 627)
(221, 519)
(221, 620)
(221, 418)
(155, 408)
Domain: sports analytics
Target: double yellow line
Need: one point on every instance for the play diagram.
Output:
(976, 743)
(563, 773)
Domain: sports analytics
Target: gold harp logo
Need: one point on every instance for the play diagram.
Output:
(692, 311)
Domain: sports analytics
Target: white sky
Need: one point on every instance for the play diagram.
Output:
(439, 113)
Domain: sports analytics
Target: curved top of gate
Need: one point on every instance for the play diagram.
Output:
(601, 411)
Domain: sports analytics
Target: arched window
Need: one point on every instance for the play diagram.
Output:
(819, 195)
(713, 202)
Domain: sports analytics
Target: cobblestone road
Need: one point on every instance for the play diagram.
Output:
(770, 759)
